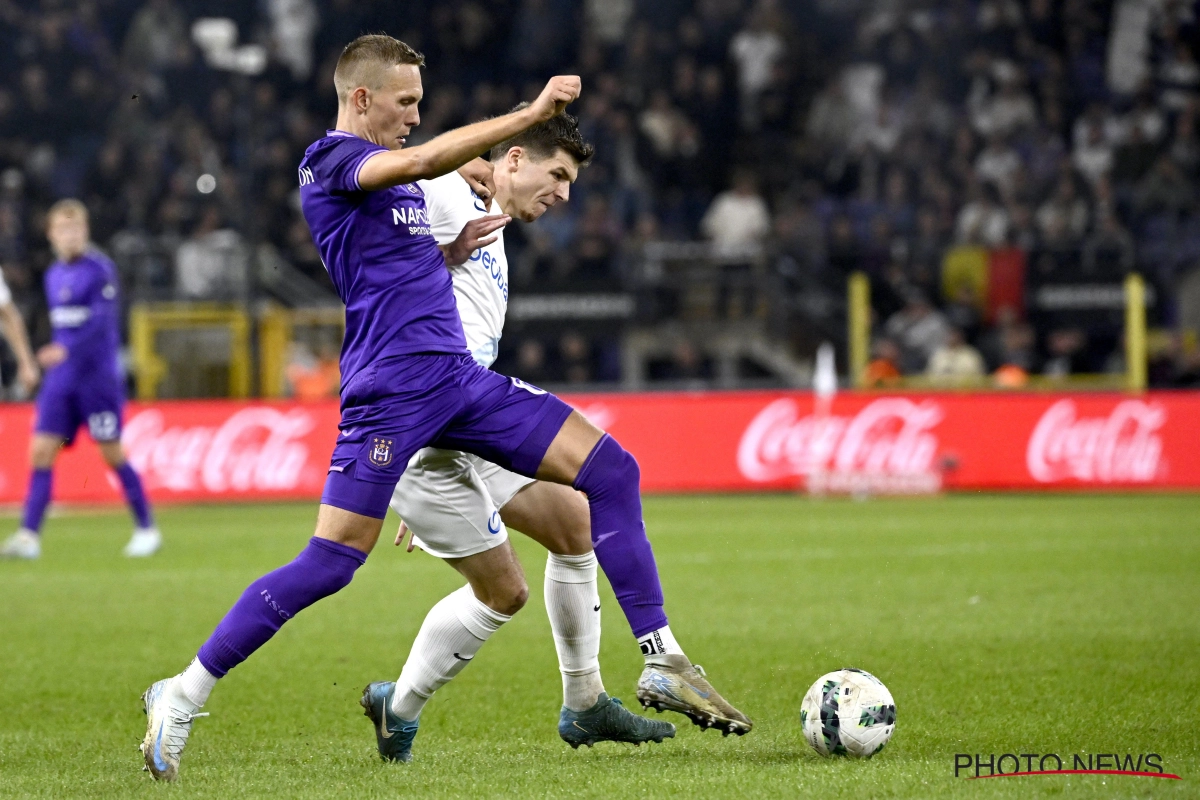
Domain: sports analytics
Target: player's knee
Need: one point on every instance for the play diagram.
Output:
(42, 452)
(508, 599)
(611, 461)
(625, 467)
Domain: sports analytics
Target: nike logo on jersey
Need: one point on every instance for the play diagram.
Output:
(597, 608)
(463, 658)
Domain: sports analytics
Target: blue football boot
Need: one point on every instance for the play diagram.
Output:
(610, 721)
(393, 735)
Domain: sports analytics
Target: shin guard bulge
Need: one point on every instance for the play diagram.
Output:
(611, 479)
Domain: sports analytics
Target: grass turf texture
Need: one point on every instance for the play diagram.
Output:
(1002, 624)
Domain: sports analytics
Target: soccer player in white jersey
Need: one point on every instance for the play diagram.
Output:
(12, 327)
(457, 505)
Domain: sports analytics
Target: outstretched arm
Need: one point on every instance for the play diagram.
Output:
(14, 331)
(454, 148)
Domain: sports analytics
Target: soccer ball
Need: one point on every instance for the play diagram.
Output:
(848, 713)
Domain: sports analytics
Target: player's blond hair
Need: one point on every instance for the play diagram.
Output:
(364, 61)
(69, 207)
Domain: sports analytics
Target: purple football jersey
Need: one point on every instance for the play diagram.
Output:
(384, 262)
(82, 296)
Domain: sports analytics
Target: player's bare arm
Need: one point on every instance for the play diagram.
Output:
(453, 148)
(14, 331)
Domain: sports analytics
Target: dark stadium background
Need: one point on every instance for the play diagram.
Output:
(831, 136)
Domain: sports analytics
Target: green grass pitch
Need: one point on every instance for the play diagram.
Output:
(1002, 624)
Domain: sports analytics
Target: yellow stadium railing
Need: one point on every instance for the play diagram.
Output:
(147, 320)
(858, 292)
(276, 333)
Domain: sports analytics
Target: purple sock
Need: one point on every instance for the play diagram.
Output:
(135, 495)
(322, 568)
(37, 499)
(611, 480)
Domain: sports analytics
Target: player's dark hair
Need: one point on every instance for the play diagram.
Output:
(540, 141)
(361, 60)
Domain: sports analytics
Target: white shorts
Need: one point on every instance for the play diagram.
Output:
(451, 501)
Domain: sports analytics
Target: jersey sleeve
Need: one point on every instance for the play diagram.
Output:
(451, 204)
(5, 294)
(336, 167)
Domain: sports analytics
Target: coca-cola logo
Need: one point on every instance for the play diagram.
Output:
(891, 436)
(255, 449)
(1123, 447)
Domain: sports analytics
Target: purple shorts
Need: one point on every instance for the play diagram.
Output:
(392, 409)
(67, 401)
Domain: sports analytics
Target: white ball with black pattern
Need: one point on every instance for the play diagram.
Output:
(848, 713)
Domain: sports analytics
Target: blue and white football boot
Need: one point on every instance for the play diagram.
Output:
(169, 716)
(673, 683)
(610, 721)
(393, 736)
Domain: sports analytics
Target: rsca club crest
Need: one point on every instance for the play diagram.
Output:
(381, 451)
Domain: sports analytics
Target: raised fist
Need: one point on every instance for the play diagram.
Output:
(560, 91)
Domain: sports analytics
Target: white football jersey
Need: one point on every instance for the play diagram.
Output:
(481, 284)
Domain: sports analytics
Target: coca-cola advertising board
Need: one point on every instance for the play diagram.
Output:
(685, 442)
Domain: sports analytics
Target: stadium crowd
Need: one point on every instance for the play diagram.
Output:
(903, 138)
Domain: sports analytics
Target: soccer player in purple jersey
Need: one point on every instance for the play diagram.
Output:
(408, 383)
(83, 383)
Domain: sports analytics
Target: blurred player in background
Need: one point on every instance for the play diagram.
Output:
(408, 383)
(12, 327)
(83, 382)
(457, 505)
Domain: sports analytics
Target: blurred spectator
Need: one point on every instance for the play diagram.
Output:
(531, 361)
(212, 263)
(157, 33)
(738, 217)
(884, 368)
(1109, 252)
(1063, 212)
(983, 220)
(1164, 190)
(314, 376)
(1065, 353)
(756, 49)
(293, 26)
(919, 329)
(999, 164)
(576, 357)
(955, 361)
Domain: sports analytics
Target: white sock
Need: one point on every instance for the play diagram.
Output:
(196, 683)
(658, 643)
(450, 636)
(574, 609)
